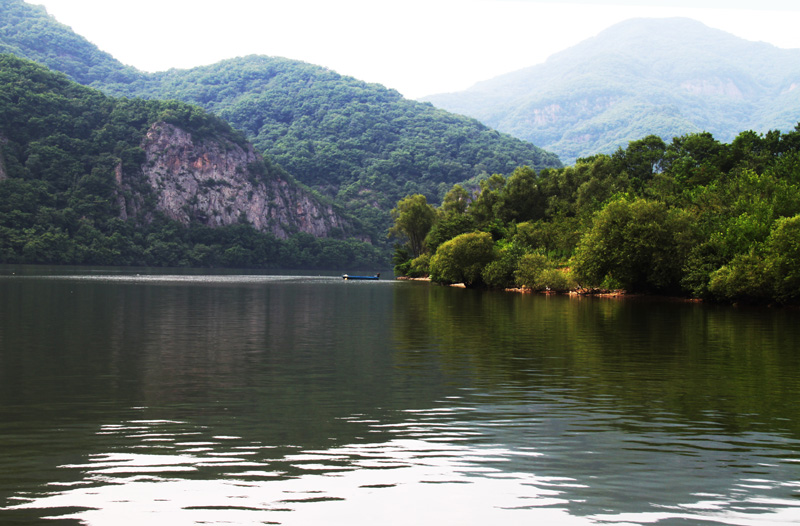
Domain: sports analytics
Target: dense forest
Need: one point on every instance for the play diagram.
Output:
(61, 146)
(27, 31)
(693, 217)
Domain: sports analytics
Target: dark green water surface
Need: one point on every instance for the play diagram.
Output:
(156, 398)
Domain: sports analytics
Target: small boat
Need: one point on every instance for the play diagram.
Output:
(375, 277)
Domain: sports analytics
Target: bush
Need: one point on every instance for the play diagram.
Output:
(500, 272)
(783, 258)
(643, 245)
(529, 270)
(537, 272)
(419, 267)
(558, 280)
(462, 259)
(744, 278)
(770, 270)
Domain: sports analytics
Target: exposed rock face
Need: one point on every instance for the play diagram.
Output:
(215, 184)
(715, 87)
(551, 114)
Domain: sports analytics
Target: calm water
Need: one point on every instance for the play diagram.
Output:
(195, 399)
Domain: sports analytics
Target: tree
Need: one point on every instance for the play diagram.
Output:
(462, 259)
(696, 159)
(456, 201)
(521, 199)
(557, 238)
(783, 258)
(535, 271)
(413, 218)
(642, 159)
(447, 227)
(500, 271)
(637, 244)
(483, 208)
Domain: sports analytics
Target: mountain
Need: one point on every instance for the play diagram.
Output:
(665, 77)
(360, 144)
(90, 179)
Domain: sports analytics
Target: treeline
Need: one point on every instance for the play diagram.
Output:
(33, 232)
(62, 146)
(694, 217)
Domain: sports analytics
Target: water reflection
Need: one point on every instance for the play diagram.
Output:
(738, 365)
(303, 400)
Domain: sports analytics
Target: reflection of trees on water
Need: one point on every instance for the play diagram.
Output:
(735, 367)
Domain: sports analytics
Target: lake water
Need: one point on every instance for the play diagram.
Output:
(157, 398)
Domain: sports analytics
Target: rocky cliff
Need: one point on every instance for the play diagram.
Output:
(216, 183)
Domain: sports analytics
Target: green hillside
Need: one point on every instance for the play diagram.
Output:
(644, 76)
(70, 157)
(362, 144)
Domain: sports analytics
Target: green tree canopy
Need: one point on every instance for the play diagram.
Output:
(638, 244)
(413, 218)
(462, 259)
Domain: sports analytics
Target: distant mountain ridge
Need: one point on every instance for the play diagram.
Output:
(666, 77)
(28, 31)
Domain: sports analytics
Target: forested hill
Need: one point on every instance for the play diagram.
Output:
(666, 77)
(361, 144)
(90, 179)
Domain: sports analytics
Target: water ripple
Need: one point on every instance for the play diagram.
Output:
(425, 471)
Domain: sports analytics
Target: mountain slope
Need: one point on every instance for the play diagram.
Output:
(361, 144)
(136, 159)
(644, 76)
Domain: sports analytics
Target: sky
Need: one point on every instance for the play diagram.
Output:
(418, 47)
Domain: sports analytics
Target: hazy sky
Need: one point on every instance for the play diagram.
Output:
(418, 47)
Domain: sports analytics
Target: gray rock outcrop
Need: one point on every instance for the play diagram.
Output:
(216, 182)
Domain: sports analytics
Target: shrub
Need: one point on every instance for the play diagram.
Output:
(462, 259)
(500, 272)
(558, 280)
(419, 267)
(530, 268)
(744, 278)
(783, 258)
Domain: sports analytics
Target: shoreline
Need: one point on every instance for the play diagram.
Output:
(577, 293)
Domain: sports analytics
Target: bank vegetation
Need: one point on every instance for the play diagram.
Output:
(694, 217)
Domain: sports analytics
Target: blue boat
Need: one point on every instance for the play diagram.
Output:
(375, 277)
